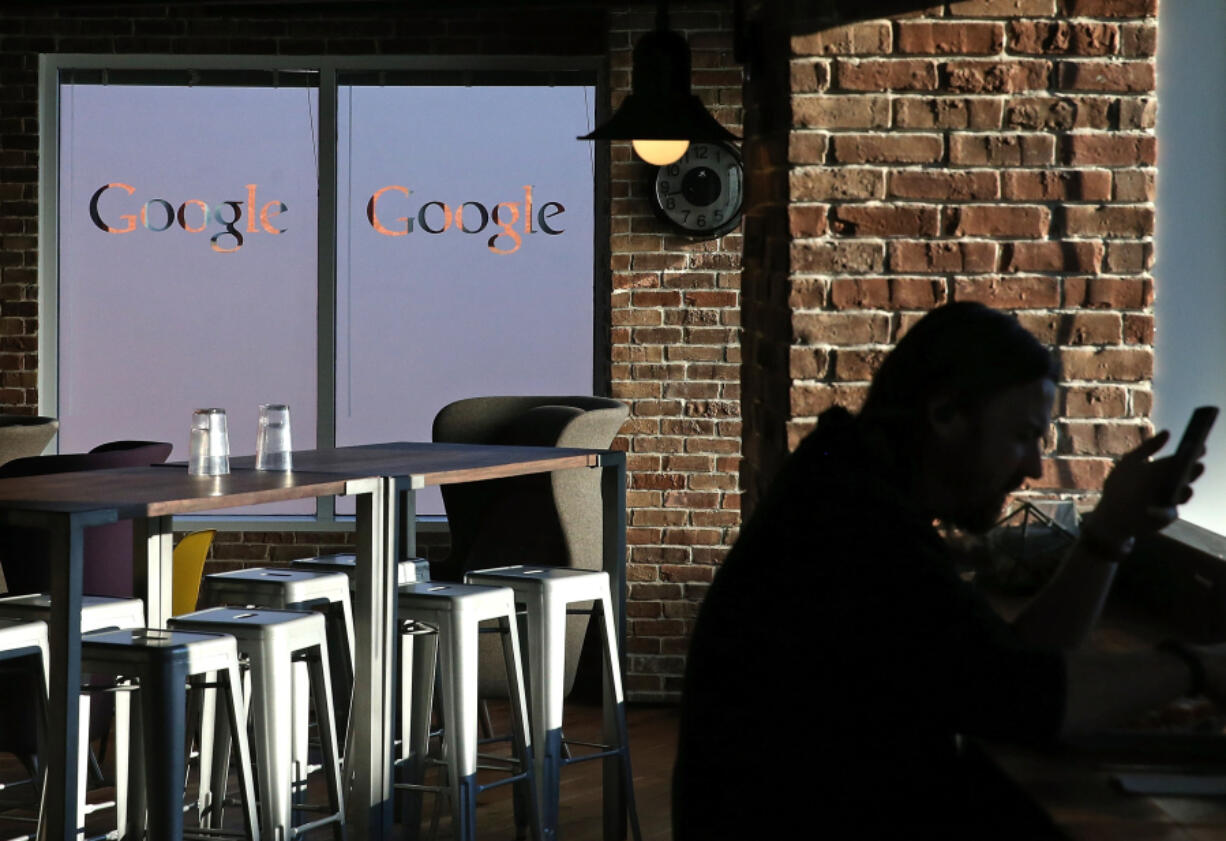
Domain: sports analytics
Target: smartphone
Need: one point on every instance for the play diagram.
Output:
(1188, 451)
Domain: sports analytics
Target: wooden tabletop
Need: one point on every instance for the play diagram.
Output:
(161, 490)
(439, 463)
(165, 489)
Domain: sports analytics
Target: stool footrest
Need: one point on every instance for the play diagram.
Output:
(301, 829)
(604, 754)
(513, 778)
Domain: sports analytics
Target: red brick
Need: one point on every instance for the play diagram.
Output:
(981, 112)
(810, 76)
(885, 220)
(1134, 185)
(1001, 149)
(853, 39)
(997, 220)
(840, 112)
(807, 363)
(1094, 402)
(807, 220)
(981, 76)
(1058, 113)
(807, 293)
(1142, 402)
(1012, 292)
(828, 183)
(1115, 364)
(898, 148)
(1138, 113)
(1138, 329)
(1052, 257)
(1138, 40)
(1122, 76)
(1109, 8)
(1090, 328)
(1001, 8)
(1109, 150)
(861, 293)
(840, 328)
(847, 256)
(815, 399)
(1115, 293)
(1057, 185)
(857, 365)
(1071, 474)
(886, 75)
(1123, 221)
(948, 185)
(1081, 38)
(941, 38)
(1101, 439)
(916, 293)
(807, 147)
(1129, 257)
(942, 257)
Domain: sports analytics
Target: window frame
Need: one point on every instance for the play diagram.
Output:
(588, 70)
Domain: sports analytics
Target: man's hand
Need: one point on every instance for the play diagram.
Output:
(1132, 501)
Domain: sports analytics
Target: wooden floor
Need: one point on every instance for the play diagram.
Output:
(653, 737)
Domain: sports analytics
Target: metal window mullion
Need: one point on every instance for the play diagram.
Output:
(325, 331)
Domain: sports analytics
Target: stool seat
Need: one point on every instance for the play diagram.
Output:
(481, 602)
(97, 612)
(408, 571)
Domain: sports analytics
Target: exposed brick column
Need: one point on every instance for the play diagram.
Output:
(1000, 151)
(676, 362)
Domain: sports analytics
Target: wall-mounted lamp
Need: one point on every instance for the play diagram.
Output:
(660, 115)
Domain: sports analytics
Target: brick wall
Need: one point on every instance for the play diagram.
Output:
(674, 303)
(983, 150)
(676, 361)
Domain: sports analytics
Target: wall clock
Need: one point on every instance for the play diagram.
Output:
(701, 194)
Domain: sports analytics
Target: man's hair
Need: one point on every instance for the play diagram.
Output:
(962, 352)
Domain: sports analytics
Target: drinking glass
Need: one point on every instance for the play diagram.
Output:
(209, 451)
(273, 449)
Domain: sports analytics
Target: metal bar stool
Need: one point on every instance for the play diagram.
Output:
(23, 644)
(272, 640)
(296, 589)
(456, 611)
(161, 662)
(547, 594)
(408, 571)
(97, 613)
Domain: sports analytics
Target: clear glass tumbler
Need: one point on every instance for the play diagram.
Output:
(273, 447)
(209, 451)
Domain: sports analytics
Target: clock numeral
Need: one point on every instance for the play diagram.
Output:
(664, 188)
(719, 215)
(671, 204)
(685, 214)
(673, 170)
(701, 152)
(702, 220)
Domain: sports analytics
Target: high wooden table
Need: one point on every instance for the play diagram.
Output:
(383, 477)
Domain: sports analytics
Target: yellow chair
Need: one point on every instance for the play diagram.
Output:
(189, 569)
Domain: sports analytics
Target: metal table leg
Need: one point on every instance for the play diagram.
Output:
(613, 502)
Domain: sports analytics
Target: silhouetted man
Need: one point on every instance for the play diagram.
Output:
(838, 654)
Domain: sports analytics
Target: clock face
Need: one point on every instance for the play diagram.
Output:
(701, 193)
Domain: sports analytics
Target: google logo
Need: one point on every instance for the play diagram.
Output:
(193, 216)
(470, 217)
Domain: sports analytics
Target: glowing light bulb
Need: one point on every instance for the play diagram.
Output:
(660, 152)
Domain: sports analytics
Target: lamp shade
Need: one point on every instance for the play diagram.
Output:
(660, 105)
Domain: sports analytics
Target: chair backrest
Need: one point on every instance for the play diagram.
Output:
(548, 518)
(108, 549)
(189, 556)
(24, 435)
(552, 519)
